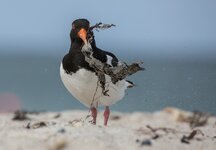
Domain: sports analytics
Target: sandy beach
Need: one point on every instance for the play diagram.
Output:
(170, 128)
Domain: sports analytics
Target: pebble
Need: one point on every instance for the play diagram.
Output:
(62, 130)
(146, 142)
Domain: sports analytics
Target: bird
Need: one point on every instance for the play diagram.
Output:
(81, 79)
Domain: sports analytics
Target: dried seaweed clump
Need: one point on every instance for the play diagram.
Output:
(117, 73)
(20, 116)
(198, 119)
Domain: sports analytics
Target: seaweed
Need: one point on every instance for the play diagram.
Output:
(185, 139)
(116, 74)
(198, 119)
(36, 125)
(20, 116)
(153, 131)
(100, 25)
(166, 130)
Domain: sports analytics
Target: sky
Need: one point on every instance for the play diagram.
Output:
(153, 28)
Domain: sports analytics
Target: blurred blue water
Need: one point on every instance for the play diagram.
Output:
(188, 85)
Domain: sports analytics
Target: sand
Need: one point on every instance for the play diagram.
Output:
(68, 130)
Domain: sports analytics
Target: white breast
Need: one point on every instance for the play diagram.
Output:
(82, 85)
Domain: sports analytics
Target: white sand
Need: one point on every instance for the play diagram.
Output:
(125, 131)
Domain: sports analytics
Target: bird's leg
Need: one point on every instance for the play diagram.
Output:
(106, 115)
(94, 114)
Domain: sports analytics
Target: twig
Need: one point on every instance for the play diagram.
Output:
(93, 99)
(101, 26)
(166, 130)
(186, 139)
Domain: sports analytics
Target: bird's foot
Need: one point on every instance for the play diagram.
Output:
(94, 115)
(106, 115)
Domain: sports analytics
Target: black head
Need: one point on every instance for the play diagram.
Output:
(79, 30)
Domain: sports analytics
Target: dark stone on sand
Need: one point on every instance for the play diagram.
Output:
(146, 142)
(62, 130)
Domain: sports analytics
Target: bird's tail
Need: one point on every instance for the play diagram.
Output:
(129, 84)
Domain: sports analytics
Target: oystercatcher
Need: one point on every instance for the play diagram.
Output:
(81, 79)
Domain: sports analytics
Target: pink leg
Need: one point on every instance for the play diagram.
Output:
(94, 114)
(106, 115)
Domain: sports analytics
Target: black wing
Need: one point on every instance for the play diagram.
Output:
(105, 57)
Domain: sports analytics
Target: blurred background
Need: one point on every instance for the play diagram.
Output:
(175, 39)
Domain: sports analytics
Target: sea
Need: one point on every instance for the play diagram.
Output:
(36, 82)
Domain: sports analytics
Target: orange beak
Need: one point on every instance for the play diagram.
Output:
(82, 34)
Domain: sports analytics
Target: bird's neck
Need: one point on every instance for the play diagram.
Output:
(76, 45)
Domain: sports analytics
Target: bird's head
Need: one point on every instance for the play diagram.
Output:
(79, 30)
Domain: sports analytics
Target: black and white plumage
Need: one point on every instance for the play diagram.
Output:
(81, 79)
